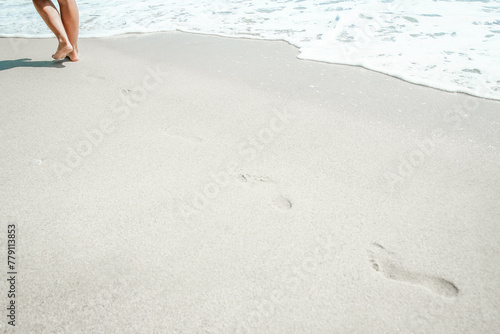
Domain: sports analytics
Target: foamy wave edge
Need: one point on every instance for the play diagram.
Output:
(446, 88)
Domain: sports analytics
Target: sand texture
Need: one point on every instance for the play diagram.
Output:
(180, 183)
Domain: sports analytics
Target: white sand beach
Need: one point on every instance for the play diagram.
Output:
(183, 183)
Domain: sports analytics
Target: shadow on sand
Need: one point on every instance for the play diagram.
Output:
(27, 62)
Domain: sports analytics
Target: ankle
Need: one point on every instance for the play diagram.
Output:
(63, 41)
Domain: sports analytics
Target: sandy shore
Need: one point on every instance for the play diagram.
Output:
(179, 183)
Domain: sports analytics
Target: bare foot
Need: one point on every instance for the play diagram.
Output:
(63, 50)
(74, 55)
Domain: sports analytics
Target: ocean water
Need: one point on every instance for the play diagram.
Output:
(447, 44)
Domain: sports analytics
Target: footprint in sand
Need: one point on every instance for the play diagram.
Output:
(388, 265)
(36, 162)
(94, 76)
(279, 201)
(282, 203)
(253, 179)
(178, 132)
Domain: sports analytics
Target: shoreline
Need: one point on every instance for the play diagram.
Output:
(223, 184)
(395, 76)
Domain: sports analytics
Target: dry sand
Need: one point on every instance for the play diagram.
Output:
(179, 183)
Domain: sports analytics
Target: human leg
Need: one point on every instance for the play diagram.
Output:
(70, 20)
(50, 15)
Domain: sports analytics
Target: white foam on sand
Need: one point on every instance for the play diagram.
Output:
(451, 45)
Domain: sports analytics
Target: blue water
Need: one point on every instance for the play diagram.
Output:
(451, 45)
